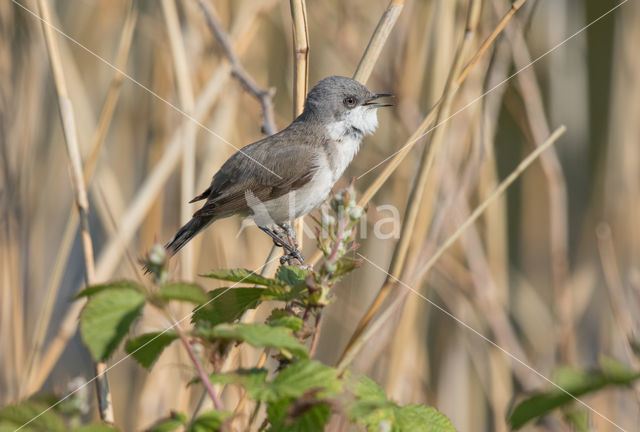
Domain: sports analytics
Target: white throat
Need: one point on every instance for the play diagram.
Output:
(357, 123)
(348, 133)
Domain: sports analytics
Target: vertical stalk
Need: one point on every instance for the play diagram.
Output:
(80, 194)
(300, 75)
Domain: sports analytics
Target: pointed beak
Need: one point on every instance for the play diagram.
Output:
(371, 102)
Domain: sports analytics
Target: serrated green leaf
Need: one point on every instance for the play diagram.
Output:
(210, 421)
(242, 276)
(291, 275)
(227, 305)
(33, 413)
(147, 348)
(262, 335)
(253, 381)
(284, 293)
(303, 376)
(371, 407)
(106, 319)
(290, 415)
(281, 318)
(575, 383)
(169, 424)
(419, 418)
(182, 292)
(95, 427)
(123, 284)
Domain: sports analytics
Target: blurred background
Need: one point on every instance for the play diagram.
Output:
(550, 272)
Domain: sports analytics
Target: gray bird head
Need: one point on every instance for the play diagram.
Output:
(344, 106)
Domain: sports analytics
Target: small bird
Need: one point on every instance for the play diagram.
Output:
(290, 173)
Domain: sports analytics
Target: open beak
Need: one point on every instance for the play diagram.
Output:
(371, 102)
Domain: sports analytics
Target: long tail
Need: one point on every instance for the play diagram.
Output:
(186, 233)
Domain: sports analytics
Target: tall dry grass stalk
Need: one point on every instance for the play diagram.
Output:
(67, 117)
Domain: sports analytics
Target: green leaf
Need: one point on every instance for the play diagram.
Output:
(418, 418)
(39, 419)
(106, 319)
(300, 377)
(95, 427)
(291, 275)
(94, 289)
(209, 421)
(169, 424)
(281, 318)
(575, 382)
(182, 292)
(253, 381)
(227, 305)
(242, 276)
(371, 406)
(284, 293)
(147, 348)
(262, 335)
(290, 415)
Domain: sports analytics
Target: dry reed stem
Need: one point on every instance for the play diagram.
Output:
(426, 122)
(431, 149)
(53, 286)
(137, 210)
(558, 206)
(422, 272)
(80, 194)
(377, 41)
(185, 94)
(300, 76)
(238, 71)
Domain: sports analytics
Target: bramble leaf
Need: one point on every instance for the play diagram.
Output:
(241, 276)
(182, 292)
(575, 383)
(209, 421)
(147, 348)
(262, 335)
(35, 414)
(227, 305)
(169, 424)
(281, 318)
(106, 319)
(291, 275)
(94, 289)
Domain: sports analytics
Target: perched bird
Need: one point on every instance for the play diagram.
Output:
(290, 173)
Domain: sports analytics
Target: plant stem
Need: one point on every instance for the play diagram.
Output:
(201, 372)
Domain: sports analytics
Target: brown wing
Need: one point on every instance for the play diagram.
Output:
(268, 169)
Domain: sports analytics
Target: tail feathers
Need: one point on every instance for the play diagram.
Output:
(186, 233)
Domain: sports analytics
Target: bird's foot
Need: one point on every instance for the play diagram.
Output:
(279, 241)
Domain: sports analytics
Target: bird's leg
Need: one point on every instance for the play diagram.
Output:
(292, 251)
(290, 232)
(292, 235)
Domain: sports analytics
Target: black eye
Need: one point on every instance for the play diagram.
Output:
(350, 101)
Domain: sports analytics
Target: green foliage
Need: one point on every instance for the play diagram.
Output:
(575, 383)
(41, 419)
(169, 424)
(261, 335)
(242, 276)
(94, 289)
(187, 292)
(373, 410)
(227, 305)
(291, 275)
(282, 318)
(290, 415)
(19, 414)
(106, 319)
(147, 348)
(209, 421)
